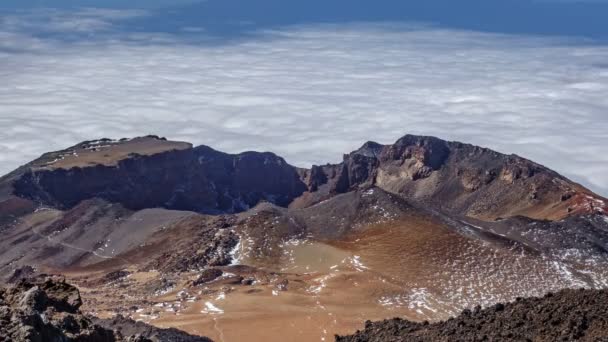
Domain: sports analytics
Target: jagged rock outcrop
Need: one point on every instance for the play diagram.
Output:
(357, 170)
(48, 310)
(461, 179)
(416, 157)
(570, 315)
(212, 251)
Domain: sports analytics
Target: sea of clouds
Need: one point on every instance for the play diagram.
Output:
(307, 93)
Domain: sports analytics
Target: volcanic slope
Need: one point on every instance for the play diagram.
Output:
(193, 238)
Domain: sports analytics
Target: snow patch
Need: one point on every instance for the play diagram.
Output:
(357, 264)
(419, 299)
(236, 254)
(321, 284)
(211, 309)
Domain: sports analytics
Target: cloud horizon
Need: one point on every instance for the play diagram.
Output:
(309, 93)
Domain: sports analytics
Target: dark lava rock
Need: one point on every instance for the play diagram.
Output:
(43, 310)
(114, 276)
(46, 311)
(232, 280)
(570, 315)
(207, 246)
(208, 275)
(282, 285)
(21, 273)
(161, 285)
(248, 281)
(139, 331)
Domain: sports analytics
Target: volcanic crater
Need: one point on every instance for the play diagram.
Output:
(247, 247)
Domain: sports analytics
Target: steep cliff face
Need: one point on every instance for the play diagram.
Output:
(463, 179)
(243, 180)
(197, 179)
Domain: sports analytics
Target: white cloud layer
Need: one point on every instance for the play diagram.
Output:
(312, 93)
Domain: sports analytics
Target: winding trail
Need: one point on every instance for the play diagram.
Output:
(216, 326)
(70, 246)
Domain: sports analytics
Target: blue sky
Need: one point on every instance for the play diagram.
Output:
(309, 80)
(235, 17)
(28, 4)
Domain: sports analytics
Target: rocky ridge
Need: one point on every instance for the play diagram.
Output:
(449, 176)
(459, 179)
(569, 315)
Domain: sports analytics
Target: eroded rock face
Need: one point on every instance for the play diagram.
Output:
(460, 179)
(570, 315)
(199, 179)
(357, 170)
(417, 157)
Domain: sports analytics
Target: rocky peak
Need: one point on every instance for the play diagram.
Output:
(425, 151)
(418, 156)
(370, 149)
(462, 179)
